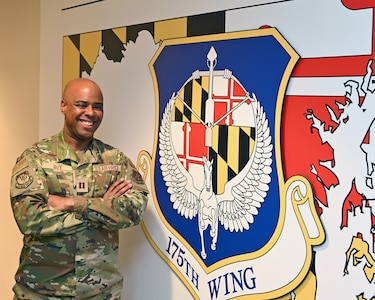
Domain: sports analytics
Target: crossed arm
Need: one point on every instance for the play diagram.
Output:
(117, 189)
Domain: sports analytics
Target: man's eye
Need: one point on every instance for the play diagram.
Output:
(81, 105)
(98, 107)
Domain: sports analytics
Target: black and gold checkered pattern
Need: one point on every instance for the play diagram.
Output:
(81, 50)
(231, 148)
(192, 97)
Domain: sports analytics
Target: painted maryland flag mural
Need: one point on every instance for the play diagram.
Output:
(258, 191)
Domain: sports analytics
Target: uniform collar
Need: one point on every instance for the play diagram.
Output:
(66, 152)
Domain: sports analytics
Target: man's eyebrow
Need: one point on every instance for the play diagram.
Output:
(84, 101)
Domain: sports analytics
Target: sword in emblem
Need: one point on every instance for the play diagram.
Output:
(209, 116)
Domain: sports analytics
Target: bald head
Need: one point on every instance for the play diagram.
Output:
(78, 84)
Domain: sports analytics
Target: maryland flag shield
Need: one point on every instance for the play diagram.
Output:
(224, 217)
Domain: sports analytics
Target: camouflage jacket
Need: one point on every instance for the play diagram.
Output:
(72, 255)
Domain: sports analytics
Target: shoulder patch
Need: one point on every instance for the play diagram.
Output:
(23, 180)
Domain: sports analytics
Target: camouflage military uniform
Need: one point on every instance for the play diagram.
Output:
(72, 255)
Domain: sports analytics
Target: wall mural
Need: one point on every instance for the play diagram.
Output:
(256, 193)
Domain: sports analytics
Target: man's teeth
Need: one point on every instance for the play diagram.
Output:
(87, 123)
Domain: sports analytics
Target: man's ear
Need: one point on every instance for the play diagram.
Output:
(63, 106)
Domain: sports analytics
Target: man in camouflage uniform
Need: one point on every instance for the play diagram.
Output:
(70, 194)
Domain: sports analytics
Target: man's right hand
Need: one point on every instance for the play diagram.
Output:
(118, 188)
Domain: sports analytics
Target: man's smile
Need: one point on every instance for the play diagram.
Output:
(87, 123)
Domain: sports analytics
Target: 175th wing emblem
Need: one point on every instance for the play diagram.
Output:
(215, 152)
(223, 215)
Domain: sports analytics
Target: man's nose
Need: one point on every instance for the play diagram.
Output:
(89, 110)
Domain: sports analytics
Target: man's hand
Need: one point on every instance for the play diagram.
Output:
(118, 188)
(61, 203)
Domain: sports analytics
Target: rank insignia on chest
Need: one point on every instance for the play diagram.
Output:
(82, 185)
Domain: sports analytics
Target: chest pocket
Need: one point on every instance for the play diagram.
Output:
(104, 176)
(59, 178)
